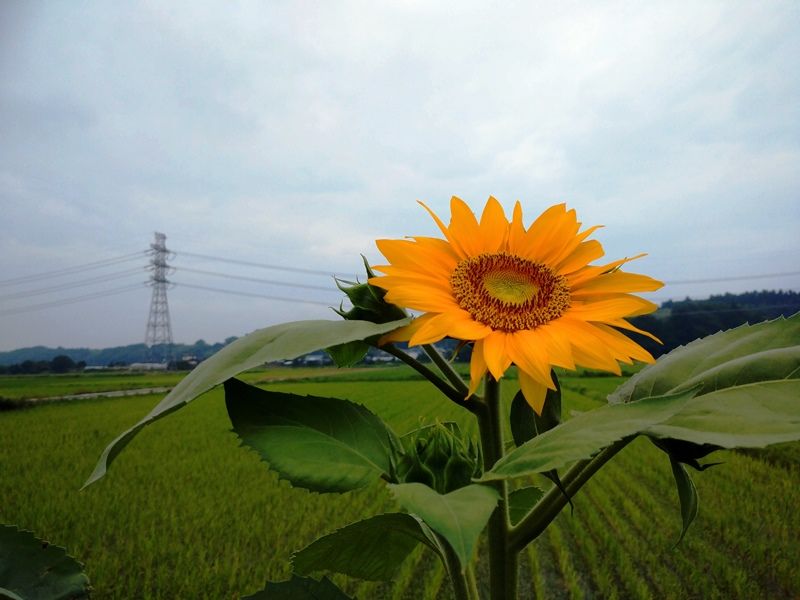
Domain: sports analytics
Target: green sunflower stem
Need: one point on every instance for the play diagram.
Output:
(457, 394)
(446, 368)
(412, 362)
(502, 558)
(547, 509)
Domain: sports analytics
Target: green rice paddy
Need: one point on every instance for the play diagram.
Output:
(186, 513)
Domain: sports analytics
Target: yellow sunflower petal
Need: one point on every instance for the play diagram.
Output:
(581, 275)
(493, 227)
(530, 357)
(477, 367)
(573, 243)
(419, 256)
(533, 244)
(580, 257)
(557, 346)
(548, 237)
(534, 392)
(587, 349)
(419, 297)
(516, 231)
(403, 334)
(494, 353)
(454, 241)
(464, 229)
(617, 281)
(398, 277)
(433, 330)
(621, 346)
(457, 324)
(623, 324)
(610, 307)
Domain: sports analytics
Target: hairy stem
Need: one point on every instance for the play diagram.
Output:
(446, 368)
(412, 362)
(502, 559)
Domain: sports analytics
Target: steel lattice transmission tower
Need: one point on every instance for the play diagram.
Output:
(159, 330)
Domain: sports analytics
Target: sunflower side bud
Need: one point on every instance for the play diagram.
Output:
(368, 301)
(441, 458)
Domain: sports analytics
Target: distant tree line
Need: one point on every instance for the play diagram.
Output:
(60, 364)
(116, 356)
(677, 323)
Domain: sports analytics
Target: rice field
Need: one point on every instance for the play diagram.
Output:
(186, 513)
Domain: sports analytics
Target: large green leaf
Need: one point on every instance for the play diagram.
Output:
(585, 434)
(749, 387)
(300, 588)
(371, 549)
(32, 569)
(285, 341)
(766, 351)
(459, 517)
(322, 444)
(746, 416)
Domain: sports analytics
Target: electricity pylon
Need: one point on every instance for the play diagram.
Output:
(159, 330)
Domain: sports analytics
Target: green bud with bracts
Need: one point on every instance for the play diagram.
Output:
(367, 300)
(440, 457)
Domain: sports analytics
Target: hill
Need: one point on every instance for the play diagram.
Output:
(679, 322)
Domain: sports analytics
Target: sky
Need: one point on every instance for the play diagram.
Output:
(296, 133)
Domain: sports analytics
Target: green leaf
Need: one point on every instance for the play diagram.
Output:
(349, 354)
(749, 380)
(766, 351)
(746, 416)
(32, 568)
(521, 501)
(459, 517)
(322, 444)
(687, 493)
(300, 588)
(285, 341)
(585, 434)
(371, 549)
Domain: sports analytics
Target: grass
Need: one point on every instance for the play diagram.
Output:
(186, 513)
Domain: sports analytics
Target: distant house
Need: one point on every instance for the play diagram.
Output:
(147, 367)
(315, 359)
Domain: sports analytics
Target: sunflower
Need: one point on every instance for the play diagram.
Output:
(526, 296)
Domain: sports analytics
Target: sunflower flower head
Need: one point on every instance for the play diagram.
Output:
(526, 296)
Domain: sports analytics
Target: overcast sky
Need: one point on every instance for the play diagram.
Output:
(296, 133)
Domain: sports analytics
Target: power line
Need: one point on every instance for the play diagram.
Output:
(76, 269)
(255, 279)
(722, 310)
(255, 264)
(252, 295)
(33, 307)
(74, 284)
(738, 278)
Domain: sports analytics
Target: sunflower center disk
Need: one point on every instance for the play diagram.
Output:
(509, 293)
